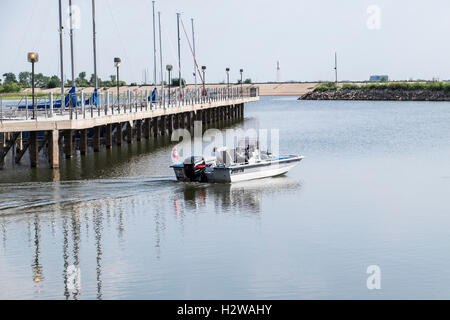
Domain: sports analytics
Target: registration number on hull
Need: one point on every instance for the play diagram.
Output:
(237, 171)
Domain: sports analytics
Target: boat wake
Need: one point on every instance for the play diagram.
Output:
(31, 197)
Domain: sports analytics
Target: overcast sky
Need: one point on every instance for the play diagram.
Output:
(402, 38)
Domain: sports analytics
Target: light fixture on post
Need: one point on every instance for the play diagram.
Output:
(117, 63)
(227, 70)
(204, 86)
(33, 57)
(242, 91)
(169, 69)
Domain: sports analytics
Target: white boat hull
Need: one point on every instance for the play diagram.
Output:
(243, 172)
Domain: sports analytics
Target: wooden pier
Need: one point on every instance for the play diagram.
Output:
(132, 117)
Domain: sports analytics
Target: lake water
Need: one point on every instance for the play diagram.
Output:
(374, 189)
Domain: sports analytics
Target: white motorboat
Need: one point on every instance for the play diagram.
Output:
(240, 164)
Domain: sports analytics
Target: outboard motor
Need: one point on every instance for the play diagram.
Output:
(194, 168)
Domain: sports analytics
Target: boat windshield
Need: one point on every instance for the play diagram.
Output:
(246, 152)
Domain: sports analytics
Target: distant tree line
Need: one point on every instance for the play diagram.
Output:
(383, 85)
(13, 83)
(246, 81)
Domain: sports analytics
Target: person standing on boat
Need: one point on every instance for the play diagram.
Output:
(247, 154)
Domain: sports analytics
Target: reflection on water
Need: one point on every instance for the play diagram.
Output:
(119, 161)
(245, 197)
(77, 210)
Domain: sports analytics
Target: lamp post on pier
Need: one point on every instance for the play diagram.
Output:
(242, 91)
(117, 63)
(204, 86)
(169, 69)
(33, 57)
(227, 70)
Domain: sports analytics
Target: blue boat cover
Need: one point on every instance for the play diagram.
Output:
(154, 95)
(93, 100)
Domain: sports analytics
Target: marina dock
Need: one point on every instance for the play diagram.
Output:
(111, 121)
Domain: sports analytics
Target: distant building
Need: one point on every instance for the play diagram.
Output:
(379, 78)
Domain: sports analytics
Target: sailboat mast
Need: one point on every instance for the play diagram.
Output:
(160, 58)
(94, 46)
(193, 45)
(71, 43)
(179, 53)
(154, 45)
(335, 67)
(61, 52)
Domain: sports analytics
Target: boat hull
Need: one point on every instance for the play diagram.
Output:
(244, 172)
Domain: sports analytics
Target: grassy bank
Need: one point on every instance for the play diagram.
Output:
(432, 86)
(18, 96)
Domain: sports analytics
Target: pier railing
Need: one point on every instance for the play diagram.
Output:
(82, 105)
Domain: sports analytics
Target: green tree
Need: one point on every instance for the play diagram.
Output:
(92, 80)
(41, 81)
(113, 78)
(176, 82)
(10, 87)
(248, 81)
(81, 81)
(54, 82)
(10, 77)
(25, 79)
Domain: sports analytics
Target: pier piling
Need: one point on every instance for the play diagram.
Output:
(53, 149)
(147, 128)
(2, 146)
(189, 116)
(182, 120)
(119, 134)
(68, 143)
(170, 124)
(83, 141)
(19, 145)
(129, 132)
(34, 149)
(163, 125)
(155, 127)
(96, 139)
(138, 130)
(108, 136)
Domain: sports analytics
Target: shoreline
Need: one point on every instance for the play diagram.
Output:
(378, 95)
(429, 91)
(265, 89)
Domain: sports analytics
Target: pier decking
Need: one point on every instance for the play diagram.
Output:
(132, 116)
